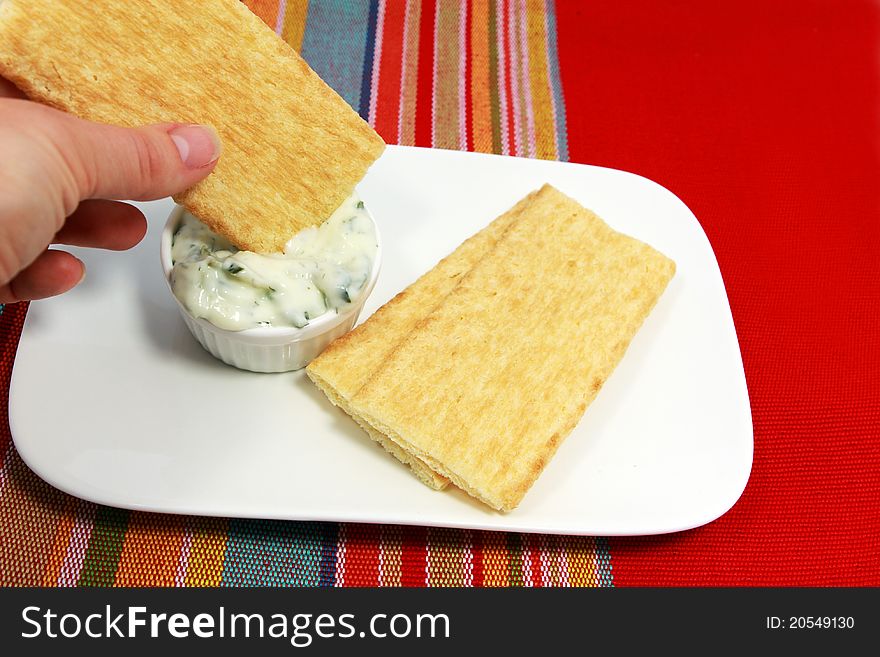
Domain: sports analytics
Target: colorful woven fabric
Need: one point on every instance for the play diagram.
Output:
(761, 115)
(464, 75)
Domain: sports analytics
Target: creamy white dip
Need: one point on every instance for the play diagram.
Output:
(322, 270)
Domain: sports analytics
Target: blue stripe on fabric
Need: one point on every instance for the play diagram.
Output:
(603, 560)
(556, 83)
(272, 553)
(334, 44)
(327, 568)
(369, 53)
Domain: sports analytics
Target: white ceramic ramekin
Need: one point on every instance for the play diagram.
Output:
(268, 349)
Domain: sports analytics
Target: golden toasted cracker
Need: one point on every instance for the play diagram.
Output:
(425, 474)
(485, 389)
(349, 362)
(293, 150)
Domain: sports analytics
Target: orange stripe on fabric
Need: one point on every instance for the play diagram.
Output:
(207, 553)
(542, 102)
(31, 512)
(496, 559)
(387, 122)
(267, 10)
(446, 76)
(151, 550)
(58, 552)
(294, 26)
(410, 77)
(582, 566)
(481, 78)
(390, 556)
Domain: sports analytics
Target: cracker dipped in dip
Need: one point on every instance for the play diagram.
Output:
(322, 270)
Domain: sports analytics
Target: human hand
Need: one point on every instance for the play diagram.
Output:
(58, 176)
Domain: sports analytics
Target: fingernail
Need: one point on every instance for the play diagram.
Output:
(198, 145)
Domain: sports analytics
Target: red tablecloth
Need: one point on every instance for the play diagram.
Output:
(762, 116)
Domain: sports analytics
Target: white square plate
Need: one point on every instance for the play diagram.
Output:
(112, 399)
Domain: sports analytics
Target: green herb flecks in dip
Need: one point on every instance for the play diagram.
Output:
(322, 269)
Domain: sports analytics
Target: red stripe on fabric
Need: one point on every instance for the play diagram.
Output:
(425, 93)
(468, 75)
(508, 90)
(762, 117)
(414, 557)
(388, 101)
(477, 538)
(362, 555)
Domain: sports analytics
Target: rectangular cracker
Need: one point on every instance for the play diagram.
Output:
(293, 150)
(349, 362)
(485, 389)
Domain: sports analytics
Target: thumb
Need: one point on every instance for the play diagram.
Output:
(140, 164)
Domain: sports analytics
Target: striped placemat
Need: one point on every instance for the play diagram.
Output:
(457, 74)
